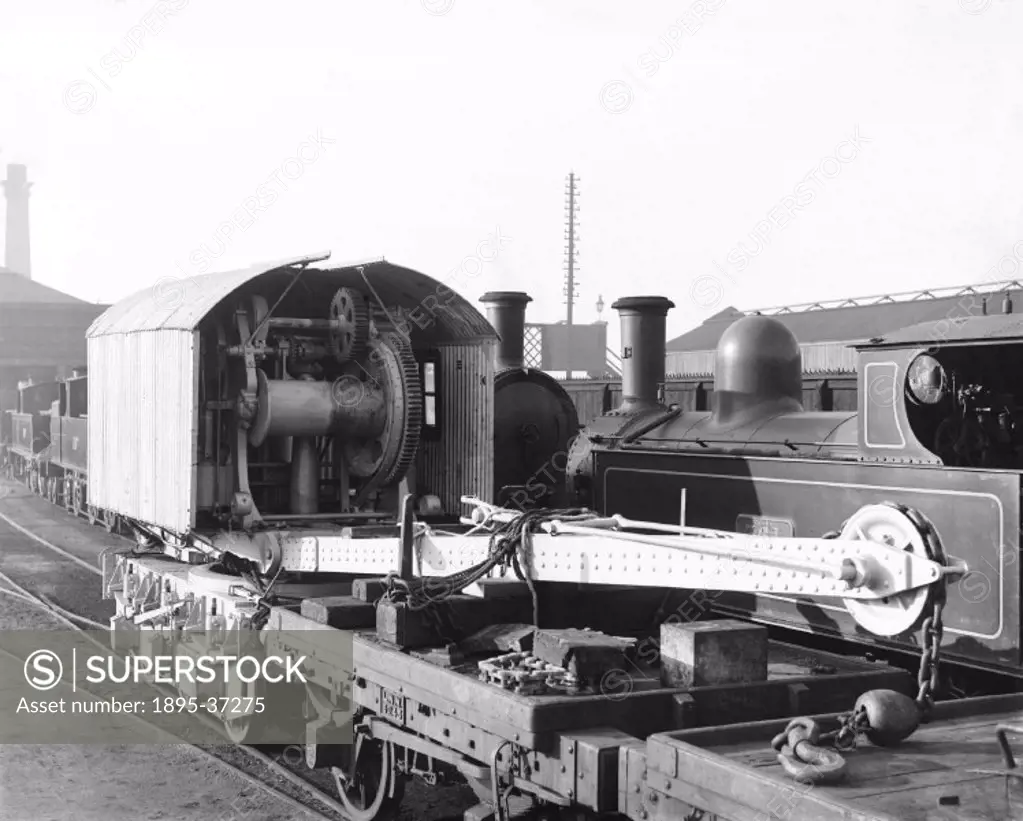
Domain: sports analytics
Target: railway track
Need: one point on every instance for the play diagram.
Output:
(278, 775)
(67, 585)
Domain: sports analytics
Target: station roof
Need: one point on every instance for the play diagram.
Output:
(853, 320)
(16, 289)
(957, 330)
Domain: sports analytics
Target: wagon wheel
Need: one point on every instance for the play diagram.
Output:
(79, 497)
(68, 495)
(241, 730)
(374, 793)
(244, 728)
(51, 490)
(111, 521)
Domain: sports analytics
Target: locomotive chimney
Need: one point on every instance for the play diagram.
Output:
(17, 256)
(506, 311)
(1007, 303)
(644, 319)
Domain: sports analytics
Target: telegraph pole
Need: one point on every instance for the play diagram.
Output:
(571, 207)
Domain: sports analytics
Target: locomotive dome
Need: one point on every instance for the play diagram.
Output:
(758, 371)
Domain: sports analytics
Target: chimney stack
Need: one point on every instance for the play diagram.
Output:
(506, 311)
(17, 256)
(644, 321)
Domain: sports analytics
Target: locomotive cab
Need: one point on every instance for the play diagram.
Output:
(947, 392)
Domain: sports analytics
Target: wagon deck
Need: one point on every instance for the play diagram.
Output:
(635, 697)
(733, 772)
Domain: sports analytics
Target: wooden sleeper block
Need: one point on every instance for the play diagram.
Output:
(447, 620)
(343, 612)
(705, 653)
(368, 590)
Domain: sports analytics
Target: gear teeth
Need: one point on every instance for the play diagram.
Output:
(413, 397)
(359, 340)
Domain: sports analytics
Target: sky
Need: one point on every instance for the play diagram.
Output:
(729, 152)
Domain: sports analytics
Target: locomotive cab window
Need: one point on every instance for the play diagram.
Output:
(965, 404)
(429, 378)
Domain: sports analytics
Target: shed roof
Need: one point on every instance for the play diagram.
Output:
(846, 323)
(181, 304)
(16, 289)
(954, 331)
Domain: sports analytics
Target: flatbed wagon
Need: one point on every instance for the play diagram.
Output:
(958, 766)
(561, 749)
(396, 690)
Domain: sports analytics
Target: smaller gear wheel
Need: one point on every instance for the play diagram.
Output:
(348, 340)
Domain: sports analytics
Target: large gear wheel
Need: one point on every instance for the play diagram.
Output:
(349, 308)
(386, 459)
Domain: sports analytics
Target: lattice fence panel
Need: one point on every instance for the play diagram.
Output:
(532, 346)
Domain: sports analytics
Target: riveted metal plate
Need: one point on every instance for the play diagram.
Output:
(392, 707)
(764, 526)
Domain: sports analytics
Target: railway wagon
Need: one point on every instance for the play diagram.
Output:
(533, 417)
(56, 466)
(565, 661)
(67, 465)
(28, 441)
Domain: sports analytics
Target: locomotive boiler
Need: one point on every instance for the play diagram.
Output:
(934, 438)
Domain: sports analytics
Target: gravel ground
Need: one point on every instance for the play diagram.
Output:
(114, 783)
(109, 783)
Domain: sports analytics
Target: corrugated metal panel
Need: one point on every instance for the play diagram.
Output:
(173, 303)
(461, 462)
(818, 357)
(689, 363)
(829, 357)
(142, 425)
(181, 304)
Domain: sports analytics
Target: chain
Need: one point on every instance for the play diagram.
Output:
(927, 678)
(933, 628)
(850, 726)
(802, 747)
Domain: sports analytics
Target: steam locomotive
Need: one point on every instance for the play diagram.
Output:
(936, 431)
(362, 393)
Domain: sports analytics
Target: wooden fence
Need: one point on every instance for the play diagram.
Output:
(592, 397)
